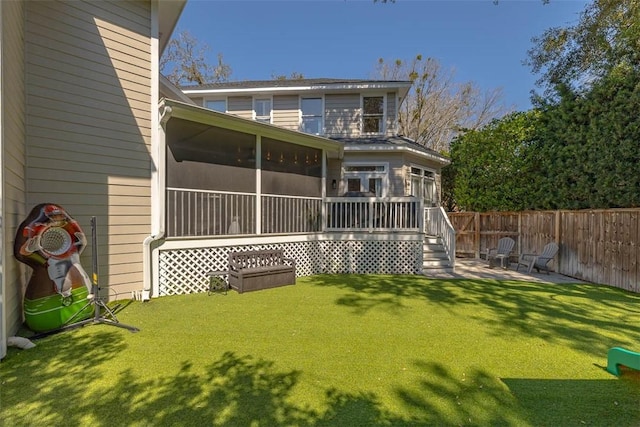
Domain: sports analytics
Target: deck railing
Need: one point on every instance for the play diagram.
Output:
(373, 214)
(200, 213)
(192, 213)
(290, 214)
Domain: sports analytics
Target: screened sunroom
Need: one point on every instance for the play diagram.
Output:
(235, 184)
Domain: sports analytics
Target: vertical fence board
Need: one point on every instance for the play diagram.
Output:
(599, 246)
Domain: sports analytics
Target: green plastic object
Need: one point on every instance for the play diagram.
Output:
(53, 312)
(621, 356)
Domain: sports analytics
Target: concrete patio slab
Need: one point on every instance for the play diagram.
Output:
(470, 268)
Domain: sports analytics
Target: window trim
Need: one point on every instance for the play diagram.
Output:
(322, 113)
(423, 169)
(255, 114)
(383, 119)
(365, 175)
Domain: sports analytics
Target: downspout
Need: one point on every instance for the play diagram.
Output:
(157, 208)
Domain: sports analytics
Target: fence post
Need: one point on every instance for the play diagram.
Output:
(476, 221)
(558, 231)
(519, 247)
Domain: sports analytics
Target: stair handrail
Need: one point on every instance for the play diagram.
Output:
(437, 223)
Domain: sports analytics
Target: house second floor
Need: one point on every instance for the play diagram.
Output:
(333, 108)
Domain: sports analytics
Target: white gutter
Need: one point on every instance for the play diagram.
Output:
(358, 87)
(157, 146)
(386, 148)
(157, 208)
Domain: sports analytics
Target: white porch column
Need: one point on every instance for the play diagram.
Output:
(258, 184)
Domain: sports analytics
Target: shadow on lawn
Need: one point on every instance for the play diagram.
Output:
(582, 316)
(62, 379)
(578, 402)
(65, 386)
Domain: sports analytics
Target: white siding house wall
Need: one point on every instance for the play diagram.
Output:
(334, 171)
(241, 106)
(89, 106)
(286, 111)
(342, 115)
(12, 164)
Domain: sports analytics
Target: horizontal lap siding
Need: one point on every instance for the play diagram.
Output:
(342, 115)
(334, 171)
(89, 125)
(286, 111)
(13, 159)
(241, 106)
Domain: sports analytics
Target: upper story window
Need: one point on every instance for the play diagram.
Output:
(262, 109)
(373, 114)
(311, 109)
(217, 105)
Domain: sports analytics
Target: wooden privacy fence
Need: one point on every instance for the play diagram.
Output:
(599, 246)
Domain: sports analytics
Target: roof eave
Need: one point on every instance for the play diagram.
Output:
(383, 148)
(169, 12)
(402, 87)
(203, 115)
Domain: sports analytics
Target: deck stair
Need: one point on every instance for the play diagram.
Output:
(434, 256)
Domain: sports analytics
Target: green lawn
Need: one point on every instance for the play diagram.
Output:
(341, 350)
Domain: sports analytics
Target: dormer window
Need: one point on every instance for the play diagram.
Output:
(311, 109)
(373, 115)
(263, 110)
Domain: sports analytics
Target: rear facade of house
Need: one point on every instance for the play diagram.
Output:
(313, 167)
(78, 114)
(361, 114)
(83, 124)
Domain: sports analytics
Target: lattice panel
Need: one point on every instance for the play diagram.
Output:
(183, 271)
(372, 257)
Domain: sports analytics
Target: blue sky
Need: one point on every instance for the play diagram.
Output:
(483, 42)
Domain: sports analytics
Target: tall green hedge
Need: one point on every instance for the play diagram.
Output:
(587, 147)
(580, 152)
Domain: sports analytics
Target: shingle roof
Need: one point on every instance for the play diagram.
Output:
(391, 141)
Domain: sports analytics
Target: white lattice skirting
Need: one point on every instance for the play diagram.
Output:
(183, 271)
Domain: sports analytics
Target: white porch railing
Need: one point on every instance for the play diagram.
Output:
(373, 214)
(200, 213)
(290, 214)
(192, 213)
(436, 223)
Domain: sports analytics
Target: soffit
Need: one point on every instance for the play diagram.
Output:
(169, 12)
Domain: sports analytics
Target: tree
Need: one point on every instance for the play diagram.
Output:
(438, 107)
(184, 62)
(606, 36)
(587, 146)
(490, 169)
